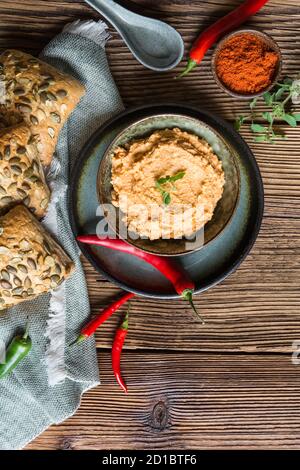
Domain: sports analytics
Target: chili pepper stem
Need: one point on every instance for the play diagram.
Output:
(78, 340)
(26, 332)
(124, 325)
(191, 64)
(187, 294)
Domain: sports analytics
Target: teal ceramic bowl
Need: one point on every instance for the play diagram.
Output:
(206, 267)
(225, 207)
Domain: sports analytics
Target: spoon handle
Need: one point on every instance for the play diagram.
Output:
(110, 10)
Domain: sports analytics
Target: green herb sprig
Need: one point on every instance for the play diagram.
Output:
(280, 100)
(159, 184)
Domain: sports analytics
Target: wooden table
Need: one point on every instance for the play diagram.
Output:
(230, 384)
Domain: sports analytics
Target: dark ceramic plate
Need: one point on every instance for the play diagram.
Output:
(208, 266)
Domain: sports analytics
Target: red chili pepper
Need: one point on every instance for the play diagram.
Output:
(92, 325)
(183, 285)
(116, 351)
(224, 25)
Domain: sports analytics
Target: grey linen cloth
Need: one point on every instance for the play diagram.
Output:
(30, 402)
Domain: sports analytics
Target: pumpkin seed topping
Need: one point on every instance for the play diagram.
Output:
(21, 150)
(47, 247)
(55, 117)
(31, 263)
(5, 284)
(43, 86)
(61, 93)
(51, 96)
(7, 152)
(24, 244)
(17, 291)
(49, 261)
(6, 292)
(51, 132)
(21, 192)
(34, 120)
(19, 91)
(6, 200)
(6, 172)
(27, 282)
(13, 160)
(24, 108)
(22, 268)
(11, 269)
(17, 281)
(44, 203)
(5, 275)
(55, 279)
(16, 169)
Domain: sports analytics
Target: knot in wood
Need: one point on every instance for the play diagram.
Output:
(66, 444)
(159, 417)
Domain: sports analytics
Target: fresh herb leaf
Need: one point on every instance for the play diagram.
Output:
(163, 180)
(261, 138)
(268, 98)
(176, 177)
(280, 101)
(279, 93)
(290, 119)
(268, 116)
(168, 179)
(158, 186)
(288, 81)
(258, 128)
(238, 122)
(171, 179)
(278, 136)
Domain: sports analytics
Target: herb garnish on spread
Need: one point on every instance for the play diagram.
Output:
(161, 182)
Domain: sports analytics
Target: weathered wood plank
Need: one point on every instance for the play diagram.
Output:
(255, 309)
(29, 25)
(242, 305)
(187, 401)
(195, 400)
(280, 168)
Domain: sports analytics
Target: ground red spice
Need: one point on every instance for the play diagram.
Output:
(246, 64)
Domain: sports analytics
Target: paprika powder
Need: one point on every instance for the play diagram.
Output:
(246, 64)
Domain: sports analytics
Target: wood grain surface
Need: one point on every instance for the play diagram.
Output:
(187, 401)
(255, 309)
(193, 386)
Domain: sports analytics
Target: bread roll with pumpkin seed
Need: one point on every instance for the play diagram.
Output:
(39, 94)
(21, 173)
(31, 262)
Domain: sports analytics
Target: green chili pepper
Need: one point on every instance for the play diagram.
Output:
(15, 353)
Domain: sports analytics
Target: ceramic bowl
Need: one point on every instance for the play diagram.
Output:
(225, 207)
(270, 43)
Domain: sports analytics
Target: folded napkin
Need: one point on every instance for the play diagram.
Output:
(46, 387)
